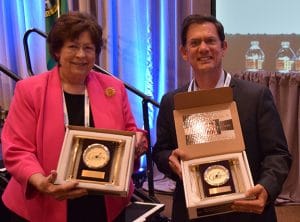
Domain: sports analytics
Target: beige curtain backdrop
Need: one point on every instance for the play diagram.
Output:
(285, 90)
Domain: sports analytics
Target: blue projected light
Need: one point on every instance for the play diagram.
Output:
(162, 49)
(18, 17)
(131, 51)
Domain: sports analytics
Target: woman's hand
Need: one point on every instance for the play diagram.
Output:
(256, 203)
(46, 185)
(141, 144)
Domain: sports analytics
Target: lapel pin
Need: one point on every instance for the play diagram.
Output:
(110, 91)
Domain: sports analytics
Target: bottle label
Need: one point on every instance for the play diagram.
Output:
(250, 64)
(297, 65)
(284, 65)
(254, 64)
(291, 65)
(260, 64)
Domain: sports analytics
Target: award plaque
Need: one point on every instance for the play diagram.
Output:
(96, 159)
(219, 177)
(214, 182)
(100, 160)
(216, 178)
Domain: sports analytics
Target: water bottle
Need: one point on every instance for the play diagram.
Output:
(254, 57)
(285, 58)
(297, 61)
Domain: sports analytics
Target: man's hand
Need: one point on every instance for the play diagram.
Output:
(174, 161)
(45, 185)
(255, 205)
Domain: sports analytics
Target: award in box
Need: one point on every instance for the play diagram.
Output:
(216, 170)
(216, 178)
(213, 183)
(95, 159)
(100, 160)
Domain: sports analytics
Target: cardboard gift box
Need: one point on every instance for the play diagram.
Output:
(100, 160)
(216, 170)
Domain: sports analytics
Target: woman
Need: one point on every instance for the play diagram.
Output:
(71, 93)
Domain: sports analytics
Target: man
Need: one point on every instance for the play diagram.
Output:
(203, 46)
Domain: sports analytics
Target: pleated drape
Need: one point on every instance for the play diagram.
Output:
(286, 92)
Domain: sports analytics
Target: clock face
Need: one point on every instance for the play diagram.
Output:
(216, 175)
(96, 156)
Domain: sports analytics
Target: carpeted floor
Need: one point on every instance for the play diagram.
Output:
(290, 213)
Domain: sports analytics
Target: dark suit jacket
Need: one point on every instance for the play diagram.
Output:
(265, 142)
